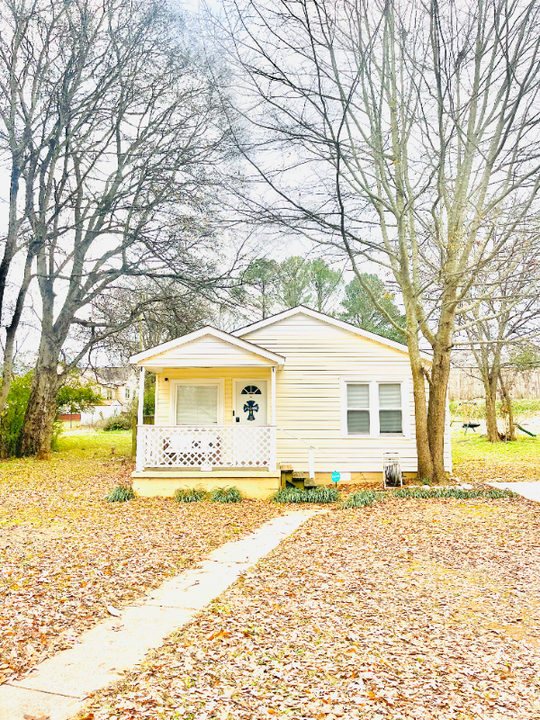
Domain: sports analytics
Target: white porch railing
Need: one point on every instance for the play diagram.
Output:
(206, 447)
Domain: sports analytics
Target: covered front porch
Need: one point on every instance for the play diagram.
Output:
(215, 414)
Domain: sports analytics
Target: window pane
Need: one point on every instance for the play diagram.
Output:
(357, 396)
(196, 405)
(357, 422)
(390, 396)
(390, 421)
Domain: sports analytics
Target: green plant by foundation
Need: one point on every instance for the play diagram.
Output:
(321, 495)
(120, 493)
(425, 493)
(226, 495)
(363, 498)
(189, 495)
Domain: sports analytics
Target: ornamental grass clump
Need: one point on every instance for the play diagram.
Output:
(456, 493)
(320, 495)
(189, 495)
(120, 493)
(226, 495)
(363, 498)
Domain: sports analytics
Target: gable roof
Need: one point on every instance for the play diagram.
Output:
(204, 332)
(303, 310)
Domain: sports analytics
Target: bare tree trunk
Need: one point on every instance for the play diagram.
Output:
(436, 416)
(507, 406)
(490, 389)
(39, 417)
(11, 333)
(425, 463)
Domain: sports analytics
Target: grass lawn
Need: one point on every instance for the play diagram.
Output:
(416, 610)
(65, 553)
(477, 460)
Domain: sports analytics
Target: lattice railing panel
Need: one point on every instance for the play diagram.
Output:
(218, 446)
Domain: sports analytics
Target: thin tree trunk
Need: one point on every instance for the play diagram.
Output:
(11, 333)
(507, 401)
(425, 464)
(490, 380)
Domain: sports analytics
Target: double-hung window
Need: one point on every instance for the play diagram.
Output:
(390, 413)
(372, 408)
(358, 420)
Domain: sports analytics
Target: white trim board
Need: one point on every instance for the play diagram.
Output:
(203, 332)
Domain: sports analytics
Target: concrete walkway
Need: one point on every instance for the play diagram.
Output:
(529, 490)
(59, 685)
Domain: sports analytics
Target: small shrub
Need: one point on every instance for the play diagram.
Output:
(226, 495)
(190, 495)
(363, 498)
(117, 422)
(121, 493)
(320, 495)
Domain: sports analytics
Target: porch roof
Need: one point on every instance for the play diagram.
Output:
(207, 347)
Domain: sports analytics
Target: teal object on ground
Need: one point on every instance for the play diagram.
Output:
(335, 476)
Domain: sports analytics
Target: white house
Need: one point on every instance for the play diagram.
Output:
(299, 389)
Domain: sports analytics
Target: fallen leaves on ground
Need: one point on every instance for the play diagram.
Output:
(68, 558)
(409, 610)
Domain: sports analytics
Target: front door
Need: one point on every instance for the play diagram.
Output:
(251, 402)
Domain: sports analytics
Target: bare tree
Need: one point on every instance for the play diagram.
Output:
(503, 323)
(166, 310)
(404, 134)
(121, 167)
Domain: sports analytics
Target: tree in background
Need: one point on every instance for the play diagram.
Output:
(259, 287)
(76, 396)
(162, 310)
(295, 282)
(325, 284)
(363, 311)
(502, 324)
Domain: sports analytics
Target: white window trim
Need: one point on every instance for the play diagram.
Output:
(374, 429)
(196, 381)
(250, 381)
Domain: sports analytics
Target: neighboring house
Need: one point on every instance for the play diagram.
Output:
(118, 387)
(300, 389)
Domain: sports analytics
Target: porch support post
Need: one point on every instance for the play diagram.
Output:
(139, 460)
(273, 395)
(140, 406)
(273, 430)
(311, 463)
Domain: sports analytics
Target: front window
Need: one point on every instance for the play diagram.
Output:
(358, 409)
(197, 404)
(372, 408)
(390, 415)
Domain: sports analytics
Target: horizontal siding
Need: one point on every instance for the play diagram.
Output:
(226, 374)
(207, 351)
(308, 394)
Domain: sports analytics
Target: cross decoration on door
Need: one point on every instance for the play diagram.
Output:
(251, 406)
